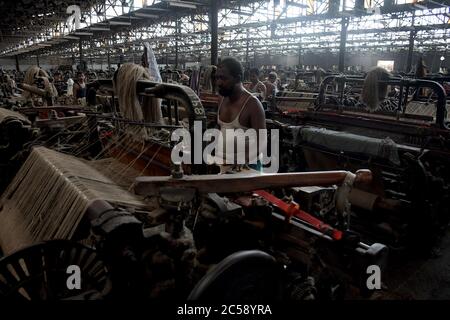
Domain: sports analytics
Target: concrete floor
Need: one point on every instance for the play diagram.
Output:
(426, 278)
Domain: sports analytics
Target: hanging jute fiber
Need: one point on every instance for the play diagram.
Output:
(133, 107)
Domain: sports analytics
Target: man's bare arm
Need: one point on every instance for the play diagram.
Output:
(257, 115)
(262, 90)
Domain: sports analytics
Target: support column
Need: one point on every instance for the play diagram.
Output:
(300, 52)
(254, 54)
(177, 35)
(247, 63)
(37, 59)
(17, 63)
(108, 57)
(412, 37)
(108, 53)
(343, 41)
(214, 26)
(80, 46)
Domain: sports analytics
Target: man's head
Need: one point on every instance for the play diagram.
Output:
(254, 75)
(228, 76)
(57, 76)
(273, 77)
(80, 76)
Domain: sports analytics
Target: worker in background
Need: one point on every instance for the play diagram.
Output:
(421, 69)
(213, 78)
(79, 86)
(11, 83)
(70, 83)
(282, 79)
(58, 81)
(271, 85)
(420, 73)
(184, 78)
(319, 74)
(256, 86)
(238, 108)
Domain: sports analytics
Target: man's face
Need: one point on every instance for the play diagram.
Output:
(81, 77)
(253, 77)
(225, 82)
(272, 78)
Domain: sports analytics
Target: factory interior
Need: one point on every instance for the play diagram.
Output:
(119, 179)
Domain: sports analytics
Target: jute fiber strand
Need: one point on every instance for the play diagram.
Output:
(6, 114)
(129, 104)
(30, 77)
(50, 194)
(372, 91)
(136, 155)
(32, 73)
(124, 174)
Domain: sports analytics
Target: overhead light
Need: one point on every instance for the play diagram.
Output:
(120, 23)
(83, 33)
(442, 58)
(146, 15)
(43, 45)
(182, 4)
(99, 28)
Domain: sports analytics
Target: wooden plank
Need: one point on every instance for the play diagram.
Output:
(245, 182)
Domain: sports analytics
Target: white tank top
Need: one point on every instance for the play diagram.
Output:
(233, 125)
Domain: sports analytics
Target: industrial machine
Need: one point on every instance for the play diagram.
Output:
(139, 226)
(407, 150)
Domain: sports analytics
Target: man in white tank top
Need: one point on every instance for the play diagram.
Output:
(238, 109)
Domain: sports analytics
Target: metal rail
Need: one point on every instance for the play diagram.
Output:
(404, 84)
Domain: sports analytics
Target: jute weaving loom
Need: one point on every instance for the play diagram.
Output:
(51, 193)
(140, 101)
